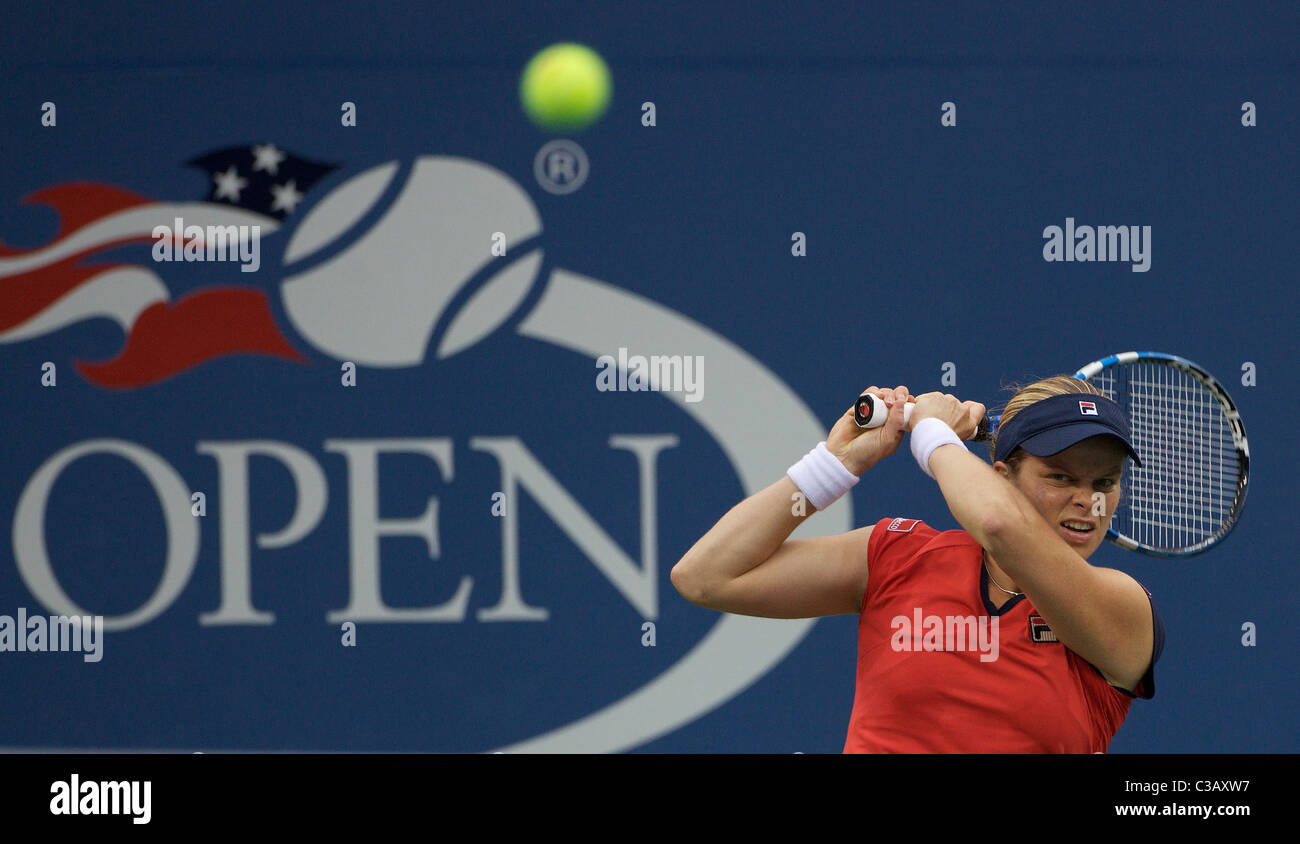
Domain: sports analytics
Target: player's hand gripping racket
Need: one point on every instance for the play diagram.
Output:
(1189, 493)
(871, 412)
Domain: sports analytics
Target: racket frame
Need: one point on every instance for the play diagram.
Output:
(1240, 443)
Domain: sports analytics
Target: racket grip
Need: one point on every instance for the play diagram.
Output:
(871, 412)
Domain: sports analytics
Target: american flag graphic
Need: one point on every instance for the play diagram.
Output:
(59, 284)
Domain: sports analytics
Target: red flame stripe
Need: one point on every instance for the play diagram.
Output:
(170, 338)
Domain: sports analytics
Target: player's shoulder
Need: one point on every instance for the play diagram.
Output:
(897, 546)
(913, 536)
(1130, 582)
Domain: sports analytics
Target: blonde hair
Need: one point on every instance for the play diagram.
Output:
(1057, 385)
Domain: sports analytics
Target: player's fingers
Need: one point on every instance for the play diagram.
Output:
(896, 424)
(971, 412)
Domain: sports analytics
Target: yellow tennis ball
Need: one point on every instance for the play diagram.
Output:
(565, 87)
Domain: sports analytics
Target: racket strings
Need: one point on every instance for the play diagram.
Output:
(1187, 486)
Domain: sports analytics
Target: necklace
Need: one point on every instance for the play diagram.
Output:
(994, 579)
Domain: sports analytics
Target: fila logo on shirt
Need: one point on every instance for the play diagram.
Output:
(1039, 631)
(1088, 408)
(903, 525)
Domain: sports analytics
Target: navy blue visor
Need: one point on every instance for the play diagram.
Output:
(1053, 424)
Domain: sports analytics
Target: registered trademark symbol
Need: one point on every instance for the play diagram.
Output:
(560, 167)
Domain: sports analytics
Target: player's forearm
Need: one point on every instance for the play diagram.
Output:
(992, 510)
(981, 500)
(747, 535)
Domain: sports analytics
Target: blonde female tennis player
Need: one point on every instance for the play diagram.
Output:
(1000, 637)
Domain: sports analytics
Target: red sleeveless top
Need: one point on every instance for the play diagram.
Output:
(941, 670)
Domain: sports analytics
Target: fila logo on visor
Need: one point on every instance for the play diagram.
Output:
(1088, 408)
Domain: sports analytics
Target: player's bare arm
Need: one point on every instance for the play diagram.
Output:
(747, 564)
(1101, 614)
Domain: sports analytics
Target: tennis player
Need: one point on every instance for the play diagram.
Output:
(996, 638)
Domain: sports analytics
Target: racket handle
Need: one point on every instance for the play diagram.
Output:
(871, 412)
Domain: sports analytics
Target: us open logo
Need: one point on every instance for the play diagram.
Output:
(430, 293)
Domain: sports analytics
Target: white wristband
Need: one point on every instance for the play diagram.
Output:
(821, 477)
(928, 435)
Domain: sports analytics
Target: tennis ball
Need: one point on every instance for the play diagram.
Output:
(565, 87)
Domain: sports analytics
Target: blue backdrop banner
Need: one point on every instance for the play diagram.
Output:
(352, 411)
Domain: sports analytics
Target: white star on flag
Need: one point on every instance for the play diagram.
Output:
(229, 184)
(267, 158)
(286, 196)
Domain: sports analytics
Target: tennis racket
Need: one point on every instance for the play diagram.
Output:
(1189, 493)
